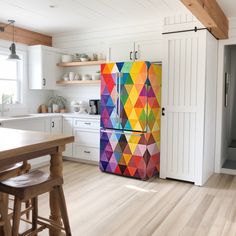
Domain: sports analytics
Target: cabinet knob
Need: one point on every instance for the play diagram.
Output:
(130, 56)
(136, 55)
(44, 82)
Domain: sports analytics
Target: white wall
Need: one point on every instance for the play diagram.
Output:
(98, 41)
(31, 99)
(210, 106)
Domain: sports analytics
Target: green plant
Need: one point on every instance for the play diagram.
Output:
(59, 100)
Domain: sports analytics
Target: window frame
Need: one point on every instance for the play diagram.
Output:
(19, 75)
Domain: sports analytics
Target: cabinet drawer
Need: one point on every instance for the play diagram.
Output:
(86, 124)
(87, 138)
(86, 153)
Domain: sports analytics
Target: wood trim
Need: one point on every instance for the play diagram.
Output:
(80, 63)
(210, 15)
(25, 36)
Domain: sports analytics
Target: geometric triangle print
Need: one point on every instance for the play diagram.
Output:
(132, 170)
(138, 103)
(127, 158)
(127, 150)
(122, 160)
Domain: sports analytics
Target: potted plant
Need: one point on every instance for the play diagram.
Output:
(57, 103)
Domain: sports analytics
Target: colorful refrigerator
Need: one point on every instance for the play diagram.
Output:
(130, 119)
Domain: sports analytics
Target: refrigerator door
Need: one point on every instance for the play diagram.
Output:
(110, 96)
(133, 106)
(133, 154)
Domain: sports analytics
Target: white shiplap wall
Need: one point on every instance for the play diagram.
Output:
(98, 41)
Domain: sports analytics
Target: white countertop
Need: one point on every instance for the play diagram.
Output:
(39, 115)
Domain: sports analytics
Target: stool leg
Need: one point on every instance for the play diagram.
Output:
(34, 213)
(64, 214)
(27, 205)
(4, 214)
(16, 217)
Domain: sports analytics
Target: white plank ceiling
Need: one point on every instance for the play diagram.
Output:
(228, 6)
(73, 15)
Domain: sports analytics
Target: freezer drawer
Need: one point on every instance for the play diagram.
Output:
(132, 154)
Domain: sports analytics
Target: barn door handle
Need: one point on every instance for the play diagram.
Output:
(53, 124)
(163, 111)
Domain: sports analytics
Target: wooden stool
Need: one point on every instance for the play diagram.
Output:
(14, 170)
(5, 173)
(30, 186)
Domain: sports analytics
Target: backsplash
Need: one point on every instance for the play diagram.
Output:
(79, 93)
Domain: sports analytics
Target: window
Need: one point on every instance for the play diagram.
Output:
(9, 79)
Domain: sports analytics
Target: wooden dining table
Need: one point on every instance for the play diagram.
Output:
(20, 145)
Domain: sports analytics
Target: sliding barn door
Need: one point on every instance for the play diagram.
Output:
(183, 92)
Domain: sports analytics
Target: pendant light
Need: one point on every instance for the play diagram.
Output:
(13, 55)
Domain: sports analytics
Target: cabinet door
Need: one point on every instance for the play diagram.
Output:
(149, 51)
(183, 93)
(121, 52)
(48, 72)
(56, 125)
(68, 130)
(43, 71)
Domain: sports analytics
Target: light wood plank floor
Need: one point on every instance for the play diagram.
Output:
(101, 204)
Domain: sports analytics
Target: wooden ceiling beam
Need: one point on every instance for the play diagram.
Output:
(210, 15)
(25, 36)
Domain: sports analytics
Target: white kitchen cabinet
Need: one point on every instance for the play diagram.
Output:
(31, 124)
(149, 50)
(43, 72)
(68, 130)
(87, 139)
(56, 125)
(189, 106)
(121, 52)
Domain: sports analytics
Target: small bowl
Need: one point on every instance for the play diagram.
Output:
(86, 77)
(84, 59)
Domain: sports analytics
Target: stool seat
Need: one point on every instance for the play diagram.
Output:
(30, 185)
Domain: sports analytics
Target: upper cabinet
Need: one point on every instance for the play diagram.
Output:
(43, 71)
(150, 50)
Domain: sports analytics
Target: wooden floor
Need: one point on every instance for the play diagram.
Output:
(101, 204)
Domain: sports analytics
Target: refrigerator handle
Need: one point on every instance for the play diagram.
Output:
(119, 108)
(116, 97)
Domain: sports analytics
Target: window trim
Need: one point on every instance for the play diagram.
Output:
(19, 75)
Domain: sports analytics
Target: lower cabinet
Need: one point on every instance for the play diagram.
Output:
(87, 139)
(86, 153)
(68, 130)
(45, 124)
